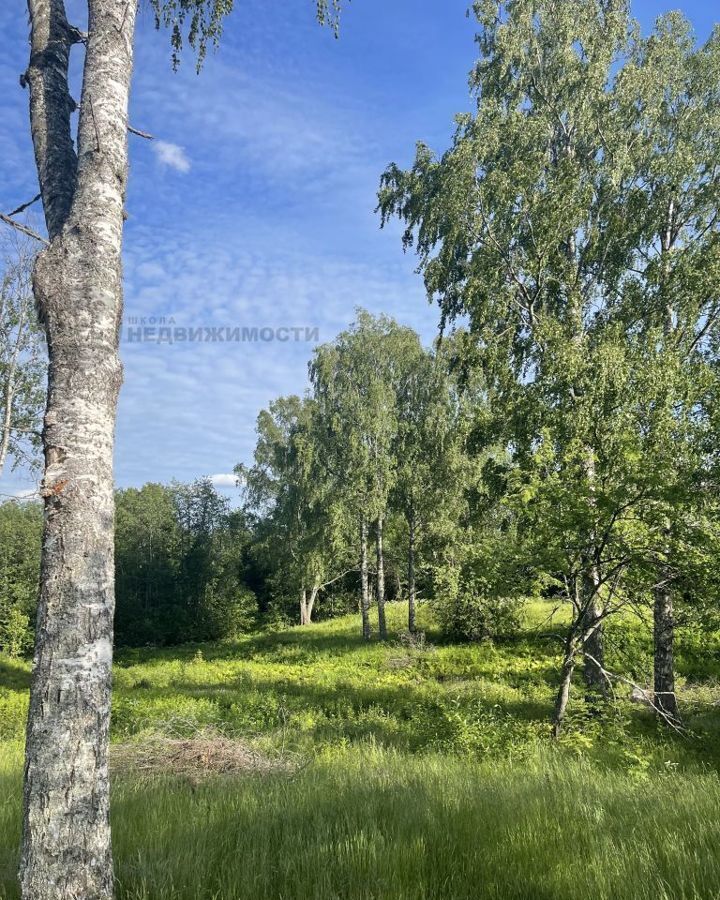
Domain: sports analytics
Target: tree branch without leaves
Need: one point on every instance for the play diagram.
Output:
(142, 134)
(24, 229)
(24, 206)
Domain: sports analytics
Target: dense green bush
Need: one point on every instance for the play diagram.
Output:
(469, 604)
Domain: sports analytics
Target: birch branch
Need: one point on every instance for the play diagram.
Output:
(142, 134)
(24, 229)
(24, 206)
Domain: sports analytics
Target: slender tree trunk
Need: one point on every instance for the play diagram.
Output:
(311, 602)
(8, 400)
(563, 694)
(594, 661)
(594, 678)
(664, 670)
(412, 627)
(307, 604)
(382, 624)
(663, 612)
(364, 580)
(66, 849)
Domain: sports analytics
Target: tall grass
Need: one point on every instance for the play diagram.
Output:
(371, 824)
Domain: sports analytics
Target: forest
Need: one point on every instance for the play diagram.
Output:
(454, 632)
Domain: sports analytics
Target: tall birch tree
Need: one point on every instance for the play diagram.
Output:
(77, 284)
(356, 383)
(299, 515)
(574, 220)
(432, 465)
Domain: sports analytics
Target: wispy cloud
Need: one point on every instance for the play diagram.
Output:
(191, 407)
(172, 155)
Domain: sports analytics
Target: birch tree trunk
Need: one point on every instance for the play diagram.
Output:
(382, 624)
(364, 580)
(664, 669)
(411, 576)
(66, 849)
(594, 662)
(590, 601)
(311, 602)
(663, 610)
(307, 604)
(566, 674)
(664, 645)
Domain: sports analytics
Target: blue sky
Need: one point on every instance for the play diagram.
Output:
(255, 205)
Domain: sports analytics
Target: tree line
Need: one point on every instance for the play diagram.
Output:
(366, 475)
(357, 492)
(180, 567)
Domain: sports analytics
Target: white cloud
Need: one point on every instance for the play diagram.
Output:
(171, 155)
(224, 480)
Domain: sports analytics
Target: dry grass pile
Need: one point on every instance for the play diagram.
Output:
(195, 757)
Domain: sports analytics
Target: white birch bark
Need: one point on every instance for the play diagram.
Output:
(380, 558)
(66, 849)
(364, 581)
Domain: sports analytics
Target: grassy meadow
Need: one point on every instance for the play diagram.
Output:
(307, 764)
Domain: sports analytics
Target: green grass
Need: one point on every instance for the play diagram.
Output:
(423, 773)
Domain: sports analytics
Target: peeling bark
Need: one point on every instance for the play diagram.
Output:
(77, 282)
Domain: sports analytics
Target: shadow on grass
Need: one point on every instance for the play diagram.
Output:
(264, 644)
(414, 717)
(13, 674)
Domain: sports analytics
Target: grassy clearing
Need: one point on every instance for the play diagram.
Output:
(371, 823)
(389, 772)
